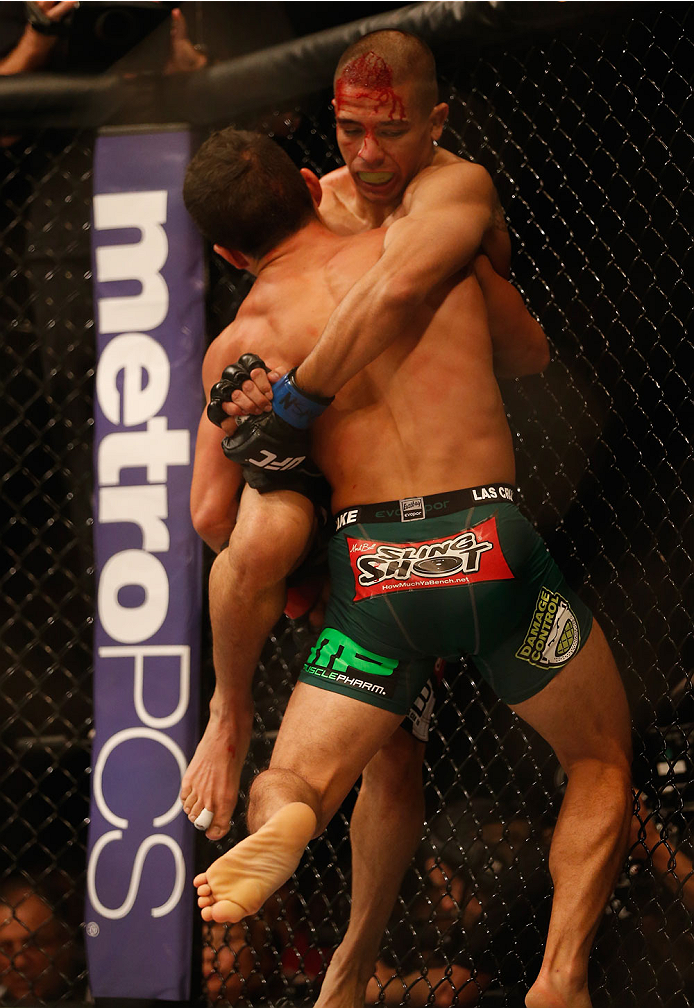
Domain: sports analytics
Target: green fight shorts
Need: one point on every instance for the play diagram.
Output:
(450, 575)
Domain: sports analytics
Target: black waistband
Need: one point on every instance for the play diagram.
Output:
(416, 508)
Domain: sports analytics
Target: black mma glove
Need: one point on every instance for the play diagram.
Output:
(232, 379)
(272, 454)
(272, 449)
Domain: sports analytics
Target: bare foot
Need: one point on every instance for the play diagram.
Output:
(238, 883)
(212, 778)
(547, 994)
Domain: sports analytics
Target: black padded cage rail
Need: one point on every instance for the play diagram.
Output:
(582, 113)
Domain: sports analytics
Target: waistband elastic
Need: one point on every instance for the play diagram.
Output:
(417, 508)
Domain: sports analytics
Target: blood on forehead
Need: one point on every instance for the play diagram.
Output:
(371, 74)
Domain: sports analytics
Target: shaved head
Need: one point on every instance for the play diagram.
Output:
(389, 59)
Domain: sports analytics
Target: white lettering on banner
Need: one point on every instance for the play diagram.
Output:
(142, 262)
(117, 913)
(144, 506)
(127, 735)
(132, 386)
(153, 449)
(132, 624)
(136, 355)
(182, 652)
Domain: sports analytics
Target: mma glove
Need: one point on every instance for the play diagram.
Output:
(272, 454)
(273, 449)
(231, 381)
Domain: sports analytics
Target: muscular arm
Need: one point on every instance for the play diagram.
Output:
(518, 341)
(447, 216)
(216, 480)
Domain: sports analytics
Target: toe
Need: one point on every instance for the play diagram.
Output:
(195, 809)
(226, 911)
(221, 823)
(200, 879)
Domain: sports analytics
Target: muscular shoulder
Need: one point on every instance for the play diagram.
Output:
(450, 180)
(336, 182)
(338, 208)
(450, 185)
(248, 332)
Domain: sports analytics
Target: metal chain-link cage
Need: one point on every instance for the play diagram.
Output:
(587, 136)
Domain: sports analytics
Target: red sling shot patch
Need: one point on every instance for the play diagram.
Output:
(380, 568)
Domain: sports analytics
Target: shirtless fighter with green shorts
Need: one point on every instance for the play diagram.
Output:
(417, 433)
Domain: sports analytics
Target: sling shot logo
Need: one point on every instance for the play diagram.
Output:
(381, 568)
(553, 636)
(427, 560)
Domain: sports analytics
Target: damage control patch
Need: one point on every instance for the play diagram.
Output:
(380, 568)
(553, 635)
(338, 659)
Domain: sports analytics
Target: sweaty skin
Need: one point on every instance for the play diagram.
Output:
(360, 467)
(399, 141)
(432, 436)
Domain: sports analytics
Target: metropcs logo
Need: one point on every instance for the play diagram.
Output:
(132, 385)
(380, 568)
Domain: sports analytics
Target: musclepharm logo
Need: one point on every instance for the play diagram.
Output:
(553, 636)
(340, 660)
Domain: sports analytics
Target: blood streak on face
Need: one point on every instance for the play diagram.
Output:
(371, 73)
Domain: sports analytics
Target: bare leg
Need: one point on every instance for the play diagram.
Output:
(584, 716)
(324, 743)
(247, 596)
(385, 831)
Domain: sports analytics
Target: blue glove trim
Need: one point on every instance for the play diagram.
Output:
(294, 406)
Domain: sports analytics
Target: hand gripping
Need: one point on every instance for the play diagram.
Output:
(267, 448)
(232, 379)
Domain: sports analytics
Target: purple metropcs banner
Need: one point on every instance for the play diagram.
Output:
(148, 275)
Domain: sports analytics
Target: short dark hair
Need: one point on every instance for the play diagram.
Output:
(407, 56)
(244, 193)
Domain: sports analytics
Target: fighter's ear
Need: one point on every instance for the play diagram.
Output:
(438, 120)
(313, 183)
(237, 259)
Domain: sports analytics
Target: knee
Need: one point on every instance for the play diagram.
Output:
(246, 569)
(276, 787)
